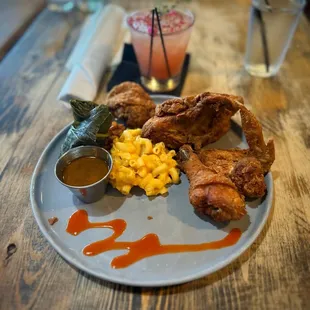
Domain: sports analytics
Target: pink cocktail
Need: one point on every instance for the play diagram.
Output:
(157, 73)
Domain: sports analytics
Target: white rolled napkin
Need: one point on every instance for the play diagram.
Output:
(86, 34)
(100, 35)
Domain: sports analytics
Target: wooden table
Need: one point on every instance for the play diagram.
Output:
(15, 16)
(274, 273)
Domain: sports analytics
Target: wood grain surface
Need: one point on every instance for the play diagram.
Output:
(15, 17)
(274, 273)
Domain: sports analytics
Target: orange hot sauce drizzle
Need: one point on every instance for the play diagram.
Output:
(147, 246)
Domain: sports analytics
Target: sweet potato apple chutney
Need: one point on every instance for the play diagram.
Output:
(85, 171)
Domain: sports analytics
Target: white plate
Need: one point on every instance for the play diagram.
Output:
(174, 221)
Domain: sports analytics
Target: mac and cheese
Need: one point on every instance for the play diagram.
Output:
(137, 162)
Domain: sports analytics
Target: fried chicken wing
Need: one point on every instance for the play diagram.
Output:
(130, 102)
(244, 167)
(210, 193)
(195, 120)
(253, 132)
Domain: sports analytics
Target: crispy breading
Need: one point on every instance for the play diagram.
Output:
(253, 132)
(195, 120)
(130, 102)
(246, 168)
(248, 177)
(210, 193)
(219, 179)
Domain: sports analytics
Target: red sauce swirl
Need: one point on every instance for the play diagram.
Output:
(147, 246)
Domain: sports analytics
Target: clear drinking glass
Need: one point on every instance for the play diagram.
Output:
(176, 27)
(271, 28)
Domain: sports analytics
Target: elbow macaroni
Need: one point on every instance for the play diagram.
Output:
(137, 162)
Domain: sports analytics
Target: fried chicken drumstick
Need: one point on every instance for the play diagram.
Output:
(210, 193)
(195, 120)
(130, 102)
(219, 179)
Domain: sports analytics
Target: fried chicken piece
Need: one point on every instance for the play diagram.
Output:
(130, 102)
(248, 177)
(245, 168)
(115, 131)
(210, 193)
(195, 120)
(221, 161)
(245, 172)
(253, 132)
(219, 179)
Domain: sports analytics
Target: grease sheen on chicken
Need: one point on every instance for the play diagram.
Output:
(195, 120)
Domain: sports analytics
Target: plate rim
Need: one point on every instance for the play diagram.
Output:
(150, 283)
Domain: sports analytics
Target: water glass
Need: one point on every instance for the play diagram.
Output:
(272, 26)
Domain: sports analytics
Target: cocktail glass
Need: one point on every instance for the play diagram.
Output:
(160, 74)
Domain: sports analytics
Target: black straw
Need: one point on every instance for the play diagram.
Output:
(151, 45)
(163, 43)
(264, 37)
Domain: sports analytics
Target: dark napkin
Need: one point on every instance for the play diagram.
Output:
(128, 70)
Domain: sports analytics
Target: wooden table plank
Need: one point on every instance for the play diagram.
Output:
(272, 274)
(16, 16)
